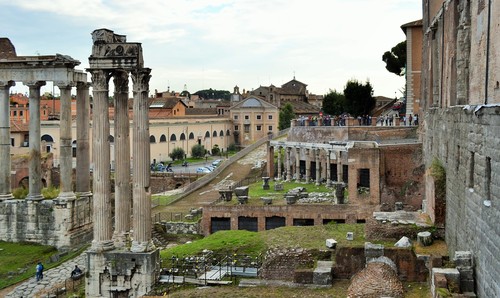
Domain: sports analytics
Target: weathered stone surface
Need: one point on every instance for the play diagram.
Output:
(323, 273)
(403, 242)
(331, 243)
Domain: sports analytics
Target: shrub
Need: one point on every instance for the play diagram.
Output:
(20, 193)
(197, 151)
(215, 150)
(50, 192)
(177, 153)
(232, 147)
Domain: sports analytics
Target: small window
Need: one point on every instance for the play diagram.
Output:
(270, 117)
(259, 117)
(20, 113)
(15, 113)
(247, 127)
(191, 136)
(152, 139)
(235, 117)
(247, 117)
(236, 127)
(259, 127)
(270, 128)
(12, 142)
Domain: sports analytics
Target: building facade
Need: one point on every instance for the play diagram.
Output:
(461, 127)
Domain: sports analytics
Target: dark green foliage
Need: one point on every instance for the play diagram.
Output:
(358, 98)
(50, 192)
(334, 103)
(177, 153)
(20, 193)
(213, 94)
(197, 151)
(286, 115)
(438, 172)
(232, 147)
(215, 150)
(395, 60)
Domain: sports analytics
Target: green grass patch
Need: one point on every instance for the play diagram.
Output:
(256, 190)
(19, 260)
(222, 242)
(163, 200)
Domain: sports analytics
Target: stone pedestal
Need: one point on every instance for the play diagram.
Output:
(121, 274)
(265, 183)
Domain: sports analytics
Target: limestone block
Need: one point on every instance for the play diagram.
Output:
(331, 243)
(424, 238)
(440, 281)
(463, 259)
(350, 236)
(403, 242)
(373, 250)
(322, 274)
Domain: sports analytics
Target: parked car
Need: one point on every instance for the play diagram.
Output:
(216, 162)
(203, 170)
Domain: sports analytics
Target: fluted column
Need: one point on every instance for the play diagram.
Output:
(340, 170)
(328, 169)
(101, 160)
(318, 173)
(82, 186)
(122, 160)
(65, 146)
(297, 164)
(35, 155)
(141, 152)
(5, 181)
(308, 165)
(279, 163)
(287, 172)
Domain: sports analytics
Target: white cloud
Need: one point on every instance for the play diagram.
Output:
(221, 43)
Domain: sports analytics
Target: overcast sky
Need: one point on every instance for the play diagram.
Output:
(222, 43)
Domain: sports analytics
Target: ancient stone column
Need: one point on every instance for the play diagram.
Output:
(82, 139)
(65, 146)
(5, 183)
(101, 159)
(270, 160)
(141, 152)
(340, 170)
(279, 163)
(297, 163)
(288, 172)
(318, 173)
(328, 169)
(122, 160)
(35, 155)
(308, 165)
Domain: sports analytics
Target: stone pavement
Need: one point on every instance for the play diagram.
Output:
(53, 279)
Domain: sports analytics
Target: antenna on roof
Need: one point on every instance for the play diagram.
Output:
(294, 74)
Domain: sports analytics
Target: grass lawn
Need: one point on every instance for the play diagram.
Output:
(18, 260)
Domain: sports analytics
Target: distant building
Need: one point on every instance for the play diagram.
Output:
(413, 31)
(253, 118)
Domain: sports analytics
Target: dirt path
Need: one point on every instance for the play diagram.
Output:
(232, 174)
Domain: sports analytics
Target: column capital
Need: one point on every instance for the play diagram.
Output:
(7, 84)
(120, 79)
(83, 85)
(100, 79)
(34, 84)
(64, 85)
(140, 78)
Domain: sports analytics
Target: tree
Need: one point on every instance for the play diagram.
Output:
(213, 94)
(358, 98)
(215, 150)
(334, 103)
(286, 115)
(177, 153)
(395, 60)
(197, 151)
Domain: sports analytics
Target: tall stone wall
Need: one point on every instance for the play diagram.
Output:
(311, 134)
(466, 140)
(63, 225)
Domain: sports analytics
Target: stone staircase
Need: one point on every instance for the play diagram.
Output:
(159, 239)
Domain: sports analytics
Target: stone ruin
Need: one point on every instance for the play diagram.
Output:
(242, 194)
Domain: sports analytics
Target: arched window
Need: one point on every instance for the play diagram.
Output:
(207, 134)
(214, 134)
(163, 139)
(191, 136)
(228, 133)
(182, 137)
(73, 148)
(173, 138)
(47, 138)
(111, 139)
(152, 139)
(221, 133)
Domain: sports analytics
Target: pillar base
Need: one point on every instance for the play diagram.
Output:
(121, 240)
(34, 197)
(66, 196)
(121, 273)
(5, 197)
(142, 246)
(101, 246)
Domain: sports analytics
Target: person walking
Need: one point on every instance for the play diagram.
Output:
(39, 271)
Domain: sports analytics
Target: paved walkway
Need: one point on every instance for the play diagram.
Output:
(52, 279)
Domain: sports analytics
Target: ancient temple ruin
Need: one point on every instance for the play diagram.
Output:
(120, 263)
(66, 221)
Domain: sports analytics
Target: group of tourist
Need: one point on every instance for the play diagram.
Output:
(341, 120)
(323, 120)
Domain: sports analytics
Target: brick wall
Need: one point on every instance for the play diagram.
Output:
(311, 134)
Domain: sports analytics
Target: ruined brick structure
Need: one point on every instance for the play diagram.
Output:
(461, 100)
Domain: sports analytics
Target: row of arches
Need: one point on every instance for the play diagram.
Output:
(182, 136)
